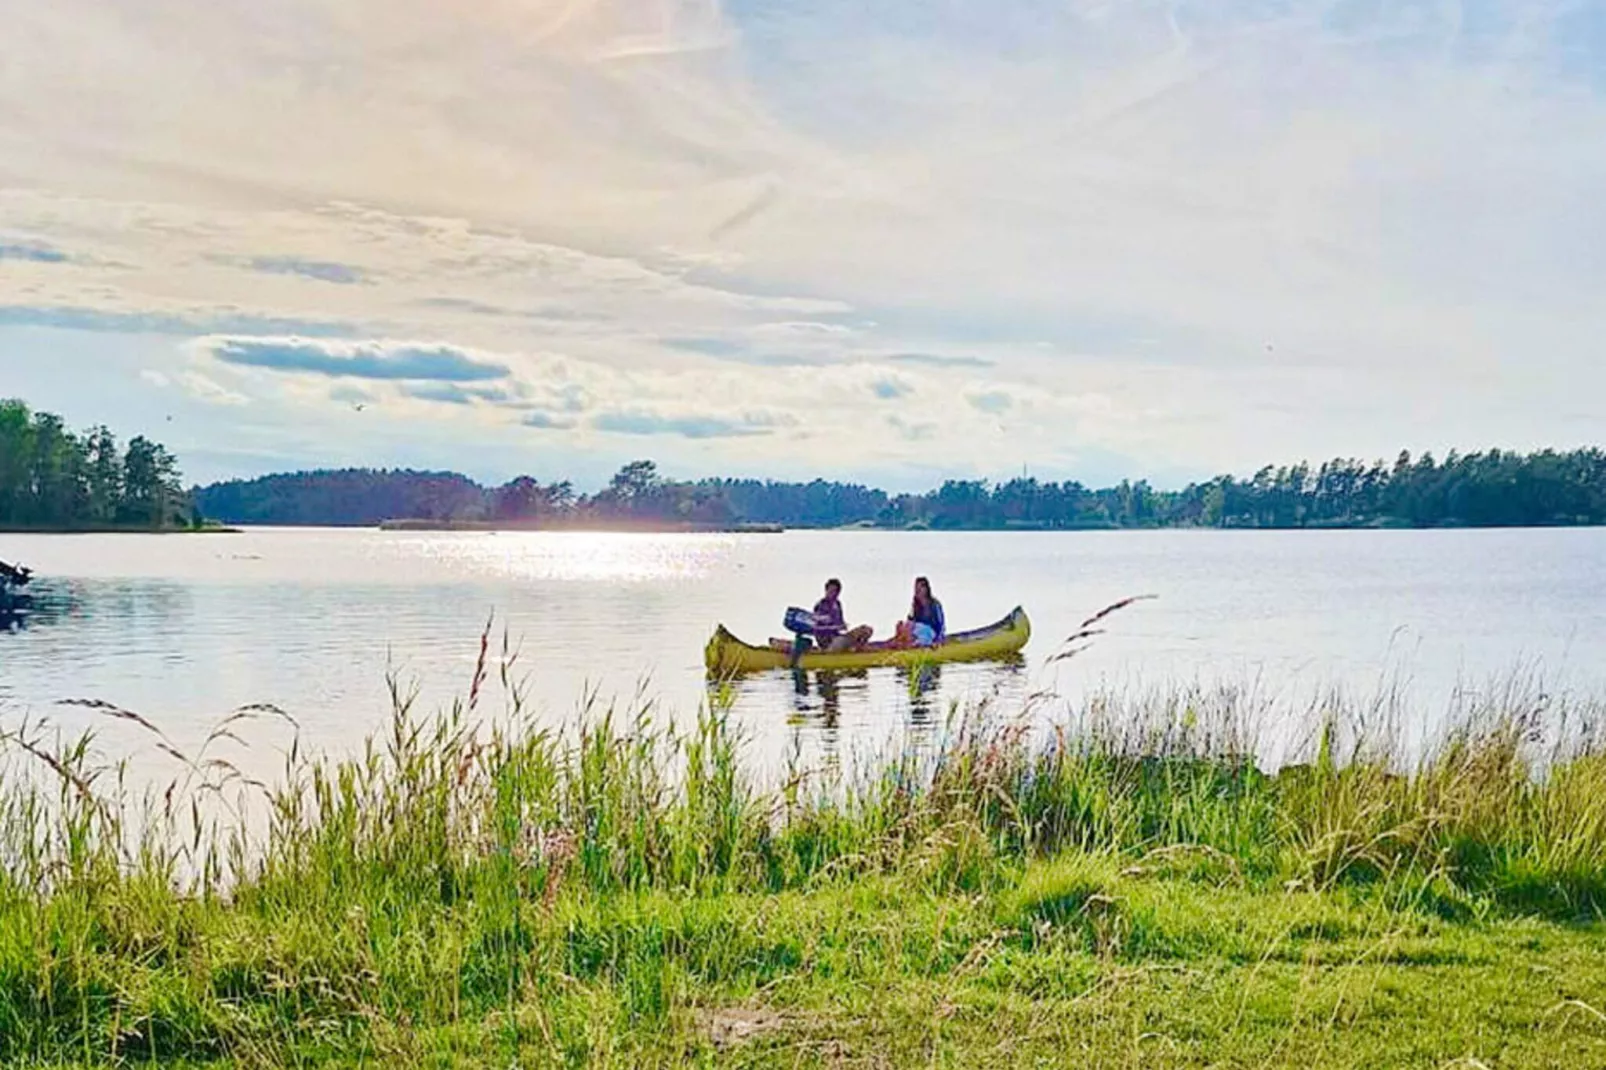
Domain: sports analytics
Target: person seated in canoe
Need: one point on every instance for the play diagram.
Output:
(926, 624)
(831, 631)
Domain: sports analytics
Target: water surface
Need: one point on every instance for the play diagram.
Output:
(185, 628)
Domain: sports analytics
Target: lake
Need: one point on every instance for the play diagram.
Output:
(184, 629)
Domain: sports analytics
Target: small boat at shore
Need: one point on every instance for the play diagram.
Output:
(727, 655)
(14, 600)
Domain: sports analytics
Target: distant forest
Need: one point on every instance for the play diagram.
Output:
(1491, 489)
(53, 479)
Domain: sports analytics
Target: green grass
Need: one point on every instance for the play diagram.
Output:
(1133, 890)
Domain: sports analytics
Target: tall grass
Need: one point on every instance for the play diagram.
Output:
(470, 866)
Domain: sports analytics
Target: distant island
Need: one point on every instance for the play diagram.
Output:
(1487, 489)
(53, 479)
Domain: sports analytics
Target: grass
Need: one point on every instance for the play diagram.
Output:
(1131, 889)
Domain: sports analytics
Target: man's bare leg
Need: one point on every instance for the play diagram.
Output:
(852, 640)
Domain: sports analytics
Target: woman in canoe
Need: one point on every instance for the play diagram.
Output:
(926, 624)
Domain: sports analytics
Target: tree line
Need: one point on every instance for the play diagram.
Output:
(52, 478)
(1486, 489)
(362, 497)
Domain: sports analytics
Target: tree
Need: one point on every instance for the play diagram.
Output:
(524, 499)
(635, 482)
(51, 478)
(59, 491)
(960, 503)
(1214, 506)
(104, 477)
(16, 462)
(152, 493)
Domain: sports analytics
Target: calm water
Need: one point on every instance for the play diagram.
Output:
(184, 629)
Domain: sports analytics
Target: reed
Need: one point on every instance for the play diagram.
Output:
(472, 882)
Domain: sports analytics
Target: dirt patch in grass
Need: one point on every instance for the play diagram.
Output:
(730, 1027)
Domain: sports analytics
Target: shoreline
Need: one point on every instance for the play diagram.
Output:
(581, 528)
(235, 528)
(210, 529)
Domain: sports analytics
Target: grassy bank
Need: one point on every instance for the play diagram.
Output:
(1131, 890)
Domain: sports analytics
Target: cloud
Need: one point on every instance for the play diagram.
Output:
(209, 390)
(37, 252)
(385, 361)
(196, 384)
(571, 397)
(913, 431)
(444, 393)
(891, 388)
(319, 270)
(450, 393)
(744, 216)
(710, 347)
(468, 305)
(351, 394)
(189, 323)
(642, 422)
(995, 402)
(547, 421)
(935, 360)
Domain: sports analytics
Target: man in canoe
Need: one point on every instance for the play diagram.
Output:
(831, 631)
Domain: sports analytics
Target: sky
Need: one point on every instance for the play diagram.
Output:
(895, 241)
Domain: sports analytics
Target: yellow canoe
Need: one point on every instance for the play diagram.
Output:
(727, 655)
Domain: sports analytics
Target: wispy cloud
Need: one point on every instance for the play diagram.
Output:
(178, 324)
(450, 393)
(935, 360)
(351, 394)
(209, 390)
(711, 347)
(319, 270)
(913, 430)
(387, 361)
(640, 422)
(37, 252)
(891, 388)
(542, 420)
(991, 401)
(197, 385)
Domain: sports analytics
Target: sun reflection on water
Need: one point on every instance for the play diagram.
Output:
(610, 557)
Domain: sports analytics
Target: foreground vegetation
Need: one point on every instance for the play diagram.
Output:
(1128, 889)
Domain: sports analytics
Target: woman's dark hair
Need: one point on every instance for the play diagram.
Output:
(921, 581)
(833, 582)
